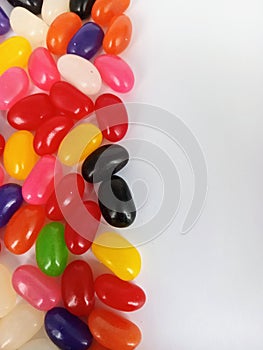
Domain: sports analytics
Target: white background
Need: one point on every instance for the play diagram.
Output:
(203, 61)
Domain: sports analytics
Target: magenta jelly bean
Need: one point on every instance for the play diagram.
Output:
(4, 22)
(39, 184)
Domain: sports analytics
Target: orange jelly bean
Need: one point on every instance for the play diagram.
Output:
(104, 10)
(61, 31)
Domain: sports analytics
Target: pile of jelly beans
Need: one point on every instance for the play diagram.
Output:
(52, 160)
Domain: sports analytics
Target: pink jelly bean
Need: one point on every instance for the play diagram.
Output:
(43, 69)
(14, 85)
(39, 184)
(2, 176)
(38, 289)
(115, 72)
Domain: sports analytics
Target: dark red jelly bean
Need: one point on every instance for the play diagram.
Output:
(2, 144)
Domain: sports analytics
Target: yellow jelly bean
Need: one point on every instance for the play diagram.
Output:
(118, 254)
(7, 293)
(19, 154)
(14, 52)
(79, 144)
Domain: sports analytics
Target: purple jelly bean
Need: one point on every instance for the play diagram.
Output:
(10, 201)
(4, 22)
(87, 41)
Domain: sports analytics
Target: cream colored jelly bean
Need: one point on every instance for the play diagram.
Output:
(7, 293)
(19, 326)
(79, 143)
(52, 8)
(28, 25)
(39, 344)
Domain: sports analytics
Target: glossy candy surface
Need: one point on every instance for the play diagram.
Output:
(79, 143)
(118, 35)
(19, 326)
(4, 22)
(30, 112)
(78, 288)
(116, 202)
(118, 254)
(113, 331)
(87, 41)
(104, 162)
(118, 294)
(39, 290)
(70, 187)
(14, 51)
(70, 101)
(14, 85)
(39, 185)
(112, 117)
(115, 72)
(43, 69)
(81, 73)
(50, 134)
(33, 6)
(67, 331)
(10, 201)
(22, 229)
(2, 177)
(61, 31)
(7, 293)
(103, 11)
(39, 344)
(52, 9)
(81, 7)
(19, 154)
(2, 144)
(51, 250)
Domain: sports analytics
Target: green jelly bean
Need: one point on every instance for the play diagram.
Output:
(51, 249)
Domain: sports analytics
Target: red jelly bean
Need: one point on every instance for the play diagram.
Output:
(22, 229)
(75, 242)
(69, 187)
(77, 288)
(113, 331)
(2, 144)
(118, 294)
(30, 112)
(70, 101)
(50, 134)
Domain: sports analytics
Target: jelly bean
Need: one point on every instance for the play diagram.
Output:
(2, 176)
(67, 331)
(39, 290)
(28, 25)
(112, 117)
(30, 112)
(116, 202)
(81, 73)
(50, 134)
(79, 143)
(87, 41)
(113, 331)
(52, 9)
(14, 51)
(22, 229)
(33, 6)
(10, 201)
(70, 101)
(103, 11)
(39, 344)
(19, 326)
(104, 162)
(81, 7)
(51, 250)
(61, 31)
(77, 288)
(43, 69)
(2, 144)
(124, 262)
(96, 346)
(69, 187)
(76, 244)
(39, 185)
(7, 293)
(19, 154)
(115, 72)
(4, 22)
(118, 294)
(118, 35)
(14, 85)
